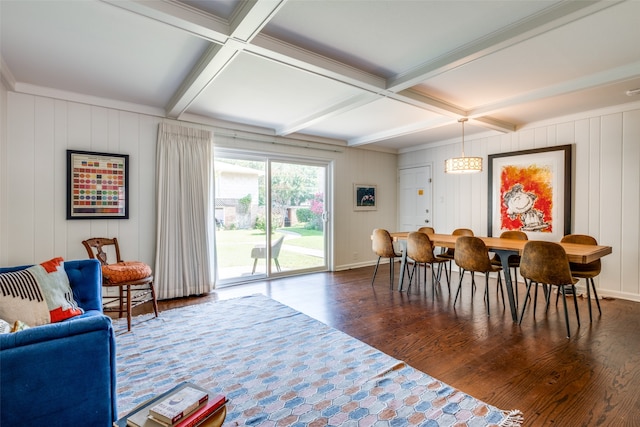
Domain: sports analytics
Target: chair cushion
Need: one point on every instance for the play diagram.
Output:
(37, 295)
(125, 271)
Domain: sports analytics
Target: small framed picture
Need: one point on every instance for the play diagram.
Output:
(97, 185)
(365, 197)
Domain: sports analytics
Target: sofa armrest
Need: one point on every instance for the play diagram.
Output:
(85, 278)
(59, 374)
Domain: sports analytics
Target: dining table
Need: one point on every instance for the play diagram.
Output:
(577, 253)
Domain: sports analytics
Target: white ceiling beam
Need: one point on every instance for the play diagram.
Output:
(247, 23)
(212, 62)
(178, 15)
(551, 18)
(606, 77)
(429, 103)
(251, 17)
(331, 111)
(400, 131)
(284, 53)
(494, 124)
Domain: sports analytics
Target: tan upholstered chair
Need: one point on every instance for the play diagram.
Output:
(471, 254)
(585, 271)
(382, 245)
(547, 263)
(420, 250)
(514, 260)
(132, 279)
(449, 253)
(427, 230)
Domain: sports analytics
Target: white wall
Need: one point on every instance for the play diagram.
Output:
(606, 185)
(33, 225)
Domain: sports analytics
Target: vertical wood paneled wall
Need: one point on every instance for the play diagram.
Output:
(33, 225)
(606, 186)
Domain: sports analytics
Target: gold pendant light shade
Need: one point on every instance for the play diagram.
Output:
(463, 164)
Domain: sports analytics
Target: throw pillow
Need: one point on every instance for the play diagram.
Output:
(22, 299)
(37, 295)
(57, 291)
(5, 327)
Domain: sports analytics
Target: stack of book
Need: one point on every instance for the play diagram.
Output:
(186, 405)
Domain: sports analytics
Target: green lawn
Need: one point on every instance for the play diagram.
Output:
(234, 247)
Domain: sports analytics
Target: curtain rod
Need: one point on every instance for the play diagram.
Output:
(272, 140)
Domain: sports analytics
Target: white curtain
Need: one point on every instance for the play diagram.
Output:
(185, 212)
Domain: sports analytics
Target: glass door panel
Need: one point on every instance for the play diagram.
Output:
(268, 210)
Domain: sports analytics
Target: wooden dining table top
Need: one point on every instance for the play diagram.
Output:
(577, 253)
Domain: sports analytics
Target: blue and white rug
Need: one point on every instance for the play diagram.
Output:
(279, 367)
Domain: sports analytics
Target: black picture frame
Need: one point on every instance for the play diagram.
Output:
(558, 160)
(97, 185)
(365, 197)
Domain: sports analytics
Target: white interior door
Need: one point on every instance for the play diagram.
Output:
(415, 198)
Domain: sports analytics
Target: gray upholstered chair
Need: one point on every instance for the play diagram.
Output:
(585, 271)
(547, 263)
(471, 254)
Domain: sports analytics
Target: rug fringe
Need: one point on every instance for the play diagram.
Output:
(515, 418)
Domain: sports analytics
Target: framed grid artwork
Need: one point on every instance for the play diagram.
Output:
(97, 185)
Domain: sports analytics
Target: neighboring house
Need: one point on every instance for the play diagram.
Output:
(231, 180)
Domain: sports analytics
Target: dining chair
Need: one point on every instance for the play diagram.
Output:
(514, 260)
(427, 230)
(132, 279)
(547, 263)
(585, 271)
(449, 253)
(420, 250)
(382, 245)
(471, 254)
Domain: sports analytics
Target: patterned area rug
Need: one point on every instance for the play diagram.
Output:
(279, 367)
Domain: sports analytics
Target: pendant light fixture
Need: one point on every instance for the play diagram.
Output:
(463, 164)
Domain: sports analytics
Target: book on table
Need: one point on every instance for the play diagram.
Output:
(142, 416)
(179, 404)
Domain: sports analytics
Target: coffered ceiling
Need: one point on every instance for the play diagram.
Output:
(386, 74)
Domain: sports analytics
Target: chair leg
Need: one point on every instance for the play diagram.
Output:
(391, 272)
(277, 264)
(412, 273)
(129, 308)
(155, 300)
(255, 262)
(566, 312)
(589, 299)
(575, 303)
(595, 294)
(526, 298)
(514, 283)
(459, 286)
(374, 271)
(486, 292)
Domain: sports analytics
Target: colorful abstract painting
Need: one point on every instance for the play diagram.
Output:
(527, 198)
(530, 191)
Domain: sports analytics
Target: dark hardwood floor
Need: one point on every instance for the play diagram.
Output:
(591, 379)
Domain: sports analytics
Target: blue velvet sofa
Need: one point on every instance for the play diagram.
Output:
(62, 374)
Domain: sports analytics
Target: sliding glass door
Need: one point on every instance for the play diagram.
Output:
(271, 217)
